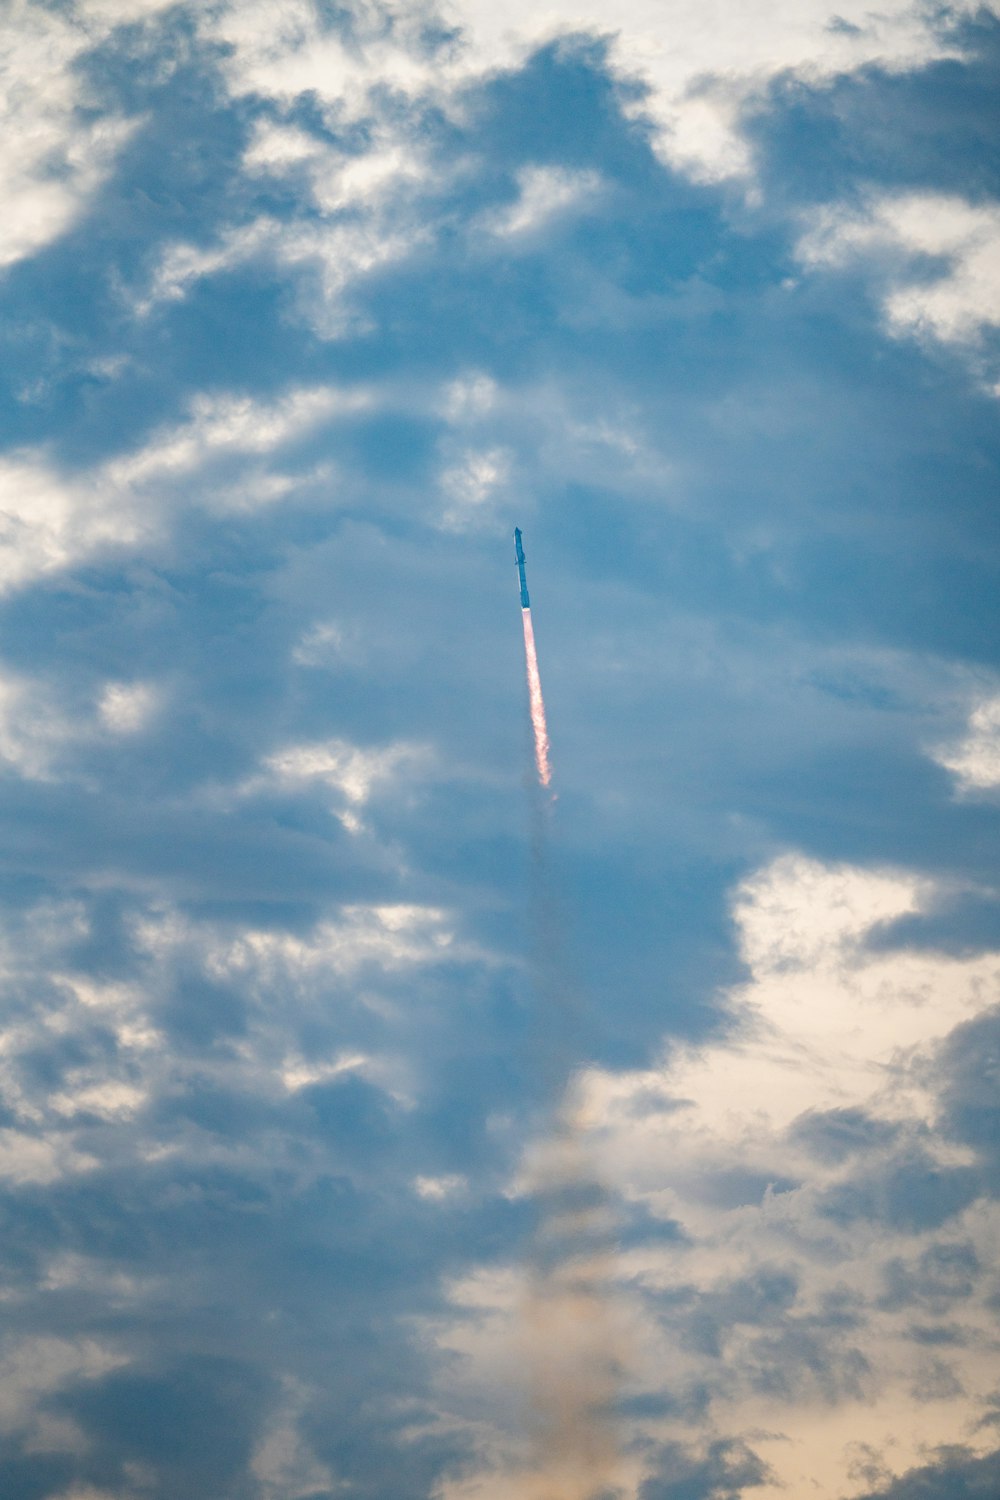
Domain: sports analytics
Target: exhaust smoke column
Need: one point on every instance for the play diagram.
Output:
(569, 1336)
(536, 702)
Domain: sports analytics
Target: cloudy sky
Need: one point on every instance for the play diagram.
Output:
(305, 306)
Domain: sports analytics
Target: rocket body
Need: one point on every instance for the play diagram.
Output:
(519, 559)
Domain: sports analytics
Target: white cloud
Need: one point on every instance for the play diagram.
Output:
(126, 707)
(120, 1008)
(300, 991)
(29, 1157)
(41, 1145)
(275, 148)
(220, 425)
(332, 254)
(182, 264)
(470, 484)
(820, 1088)
(798, 914)
(569, 432)
(338, 180)
(437, 1189)
(698, 59)
(283, 1461)
(358, 218)
(104, 15)
(390, 937)
(50, 521)
(975, 759)
(299, 1073)
(338, 764)
(823, 1024)
(38, 1146)
(544, 193)
(470, 396)
(955, 301)
(286, 56)
(328, 643)
(39, 208)
(108, 1099)
(351, 771)
(698, 65)
(32, 729)
(338, 255)
(38, 729)
(56, 155)
(32, 1369)
(286, 980)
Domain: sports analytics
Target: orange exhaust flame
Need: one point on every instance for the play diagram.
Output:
(536, 702)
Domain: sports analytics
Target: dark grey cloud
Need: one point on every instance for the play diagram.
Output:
(916, 128)
(956, 1475)
(971, 1060)
(941, 1275)
(834, 1134)
(192, 1425)
(724, 1471)
(909, 1191)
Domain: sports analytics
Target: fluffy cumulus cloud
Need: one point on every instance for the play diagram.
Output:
(974, 760)
(54, 519)
(368, 1126)
(805, 1303)
(952, 293)
(689, 74)
(125, 1105)
(695, 64)
(61, 142)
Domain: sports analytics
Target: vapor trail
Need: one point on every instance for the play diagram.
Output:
(568, 1325)
(536, 701)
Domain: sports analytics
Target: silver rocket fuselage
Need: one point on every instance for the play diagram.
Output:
(519, 559)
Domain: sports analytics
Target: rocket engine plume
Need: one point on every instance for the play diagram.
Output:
(535, 699)
(536, 702)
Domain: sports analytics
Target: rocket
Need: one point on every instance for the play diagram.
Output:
(519, 559)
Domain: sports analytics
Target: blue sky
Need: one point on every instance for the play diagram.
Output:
(304, 309)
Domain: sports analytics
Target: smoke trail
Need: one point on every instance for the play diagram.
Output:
(536, 702)
(571, 1342)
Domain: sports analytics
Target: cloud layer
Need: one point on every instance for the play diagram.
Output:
(304, 310)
